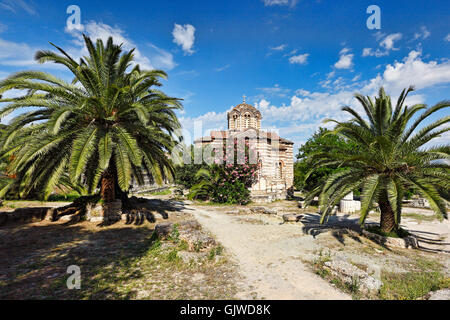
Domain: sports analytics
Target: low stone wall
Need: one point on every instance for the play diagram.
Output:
(26, 215)
(409, 242)
(351, 274)
(268, 196)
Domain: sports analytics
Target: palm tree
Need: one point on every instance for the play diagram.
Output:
(206, 180)
(390, 157)
(106, 127)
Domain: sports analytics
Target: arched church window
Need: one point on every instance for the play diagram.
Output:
(247, 120)
(279, 170)
(235, 120)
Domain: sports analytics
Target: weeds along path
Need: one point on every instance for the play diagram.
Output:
(266, 253)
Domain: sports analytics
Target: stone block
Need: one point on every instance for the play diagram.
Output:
(350, 274)
(262, 210)
(292, 217)
(443, 294)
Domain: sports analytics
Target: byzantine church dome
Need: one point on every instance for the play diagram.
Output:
(244, 116)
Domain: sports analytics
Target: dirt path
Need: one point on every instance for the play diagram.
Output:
(267, 253)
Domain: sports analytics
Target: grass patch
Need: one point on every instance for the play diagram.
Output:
(411, 285)
(164, 192)
(427, 276)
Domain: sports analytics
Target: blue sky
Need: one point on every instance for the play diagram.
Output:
(298, 61)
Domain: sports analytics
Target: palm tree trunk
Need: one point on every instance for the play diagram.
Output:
(107, 189)
(387, 220)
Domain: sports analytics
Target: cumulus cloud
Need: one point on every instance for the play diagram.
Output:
(447, 38)
(184, 37)
(345, 59)
(389, 41)
(196, 127)
(22, 54)
(387, 44)
(155, 57)
(299, 59)
(306, 110)
(413, 71)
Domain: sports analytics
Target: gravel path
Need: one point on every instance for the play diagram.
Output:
(267, 254)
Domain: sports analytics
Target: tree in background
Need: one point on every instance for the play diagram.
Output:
(321, 141)
(185, 173)
(390, 156)
(109, 125)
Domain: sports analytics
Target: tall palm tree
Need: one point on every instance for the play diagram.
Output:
(390, 157)
(107, 126)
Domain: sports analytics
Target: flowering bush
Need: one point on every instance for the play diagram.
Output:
(230, 177)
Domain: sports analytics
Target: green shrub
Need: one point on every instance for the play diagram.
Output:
(227, 181)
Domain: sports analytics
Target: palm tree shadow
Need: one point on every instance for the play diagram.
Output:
(338, 226)
(34, 260)
(425, 239)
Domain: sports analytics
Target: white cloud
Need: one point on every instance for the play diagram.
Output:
(184, 36)
(156, 58)
(422, 34)
(281, 47)
(291, 53)
(17, 54)
(223, 68)
(196, 127)
(269, 3)
(345, 60)
(447, 38)
(276, 90)
(3, 27)
(299, 59)
(161, 58)
(17, 5)
(379, 35)
(306, 110)
(413, 71)
(376, 53)
(389, 42)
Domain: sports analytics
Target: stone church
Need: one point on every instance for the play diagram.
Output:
(275, 155)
